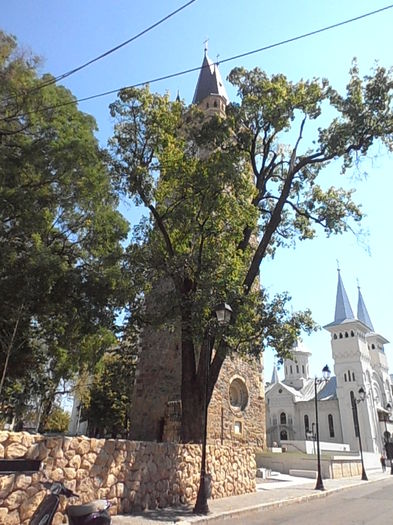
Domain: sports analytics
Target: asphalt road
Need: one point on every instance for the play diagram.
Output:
(371, 504)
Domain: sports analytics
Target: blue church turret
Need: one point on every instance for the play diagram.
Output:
(363, 313)
(343, 307)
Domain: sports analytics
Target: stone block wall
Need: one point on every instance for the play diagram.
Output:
(157, 389)
(243, 421)
(132, 475)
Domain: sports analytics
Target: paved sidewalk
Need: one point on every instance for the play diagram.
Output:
(275, 492)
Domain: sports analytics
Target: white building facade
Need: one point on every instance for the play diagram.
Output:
(359, 362)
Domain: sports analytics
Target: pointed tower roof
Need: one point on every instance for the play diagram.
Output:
(209, 82)
(274, 376)
(363, 313)
(343, 308)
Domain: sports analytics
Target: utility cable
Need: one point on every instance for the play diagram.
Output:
(199, 68)
(54, 80)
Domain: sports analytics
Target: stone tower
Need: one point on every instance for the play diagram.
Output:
(359, 361)
(237, 406)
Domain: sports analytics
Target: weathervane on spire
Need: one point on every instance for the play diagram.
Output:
(338, 265)
(206, 42)
(357, 282)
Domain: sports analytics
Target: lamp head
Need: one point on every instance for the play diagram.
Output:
(326, 373)
(223, 313)
(362, 393)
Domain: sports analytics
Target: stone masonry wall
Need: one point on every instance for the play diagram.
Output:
(132, 475)
(245, 424)
(157, 392)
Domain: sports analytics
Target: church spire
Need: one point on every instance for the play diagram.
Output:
(343, 308)
(274, 376)
(209, 82)
(363, 313)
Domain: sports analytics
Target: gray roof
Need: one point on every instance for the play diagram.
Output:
(363, 313)
(325, 391)
(328, 390)
(343, 307)
(209, 82)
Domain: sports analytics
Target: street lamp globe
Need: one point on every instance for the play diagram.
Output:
(326, 373)
(223, 313)
(362, 394)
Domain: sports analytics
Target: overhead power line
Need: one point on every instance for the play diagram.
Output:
(229, 59)
(54, 80)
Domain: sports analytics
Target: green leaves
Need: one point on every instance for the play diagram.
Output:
(225, 194)
(110, 393)
(60, 231)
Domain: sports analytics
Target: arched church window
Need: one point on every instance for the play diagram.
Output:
(306, 423)
(331, 425)
(297, 369)
(290, 368)
(346, 334)
(352, 333)
(373, 346)
(283, 418)
(345, 377)
(215, 103)
(341, 335)
(334, 336)
(349, 375)
(354, 413)
(353, 376)
(302, 369)
(283, 435)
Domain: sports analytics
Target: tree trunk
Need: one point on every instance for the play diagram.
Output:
(192, 391)
(9, 348)
(46, 409)
(192, 422)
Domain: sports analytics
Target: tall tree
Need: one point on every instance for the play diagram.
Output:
(225, 194)
(61, 279)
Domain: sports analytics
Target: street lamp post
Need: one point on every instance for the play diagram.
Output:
(317, 381)
(355, 402)
(223, 313)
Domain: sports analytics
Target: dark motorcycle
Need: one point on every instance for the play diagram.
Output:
(94, 513)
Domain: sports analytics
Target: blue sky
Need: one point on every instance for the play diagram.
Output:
(68, 33)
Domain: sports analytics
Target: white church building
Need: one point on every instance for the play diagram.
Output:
(359, 362)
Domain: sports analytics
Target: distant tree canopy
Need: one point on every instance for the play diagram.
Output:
(224, 194)
(58, 420)
(107, 407)
(61, 277)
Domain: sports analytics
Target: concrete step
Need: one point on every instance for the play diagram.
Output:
(302, 473)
